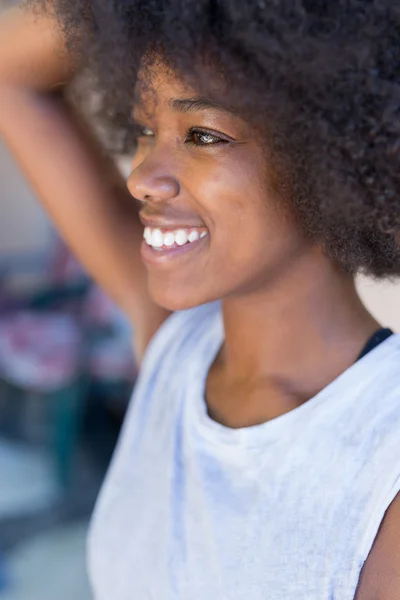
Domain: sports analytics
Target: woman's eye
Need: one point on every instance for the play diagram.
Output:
(203, 138)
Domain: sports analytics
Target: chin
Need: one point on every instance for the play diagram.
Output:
(175, 297)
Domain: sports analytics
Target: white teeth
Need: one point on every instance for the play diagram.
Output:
(181, 237)
(193, 236)
(169, 239)
(157, 238)
(147, 235)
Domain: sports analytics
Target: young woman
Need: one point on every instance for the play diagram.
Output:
(260, 454)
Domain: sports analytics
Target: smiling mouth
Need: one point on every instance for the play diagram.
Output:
(161, 240)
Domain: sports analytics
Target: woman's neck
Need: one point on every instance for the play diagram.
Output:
(293, 338)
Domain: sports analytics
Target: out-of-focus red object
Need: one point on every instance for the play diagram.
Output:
(41, 345)
(39, 351)
(65, 340)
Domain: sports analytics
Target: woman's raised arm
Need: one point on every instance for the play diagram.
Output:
(71, 175)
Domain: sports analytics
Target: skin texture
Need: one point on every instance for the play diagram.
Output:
(33, 54)
(380, 577)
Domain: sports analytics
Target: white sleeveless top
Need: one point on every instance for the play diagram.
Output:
(286, 510)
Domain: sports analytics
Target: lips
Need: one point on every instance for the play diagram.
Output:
(169, 221)
(165, 240)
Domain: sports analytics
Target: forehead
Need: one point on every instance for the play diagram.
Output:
(156, 86)
(159, 87)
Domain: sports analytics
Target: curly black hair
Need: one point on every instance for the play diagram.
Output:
(321, 76)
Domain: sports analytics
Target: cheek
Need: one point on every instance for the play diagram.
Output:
(250, 241)
(245, 218)
(254, 235)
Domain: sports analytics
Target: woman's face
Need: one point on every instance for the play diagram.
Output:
(214, 229)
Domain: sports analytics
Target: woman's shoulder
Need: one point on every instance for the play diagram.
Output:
(380, 576)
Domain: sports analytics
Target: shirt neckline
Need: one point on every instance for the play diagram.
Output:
(354, 378)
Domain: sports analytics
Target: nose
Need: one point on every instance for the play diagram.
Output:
(146, 183)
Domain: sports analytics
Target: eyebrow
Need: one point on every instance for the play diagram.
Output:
(189, 105)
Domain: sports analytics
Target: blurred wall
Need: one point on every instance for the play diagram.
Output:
(23, 226)
(383, 300)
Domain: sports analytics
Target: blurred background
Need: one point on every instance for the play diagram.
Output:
(66, 376)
